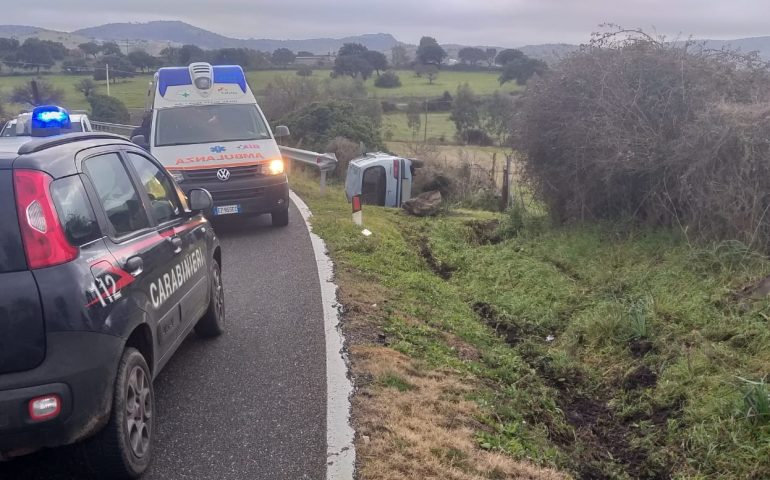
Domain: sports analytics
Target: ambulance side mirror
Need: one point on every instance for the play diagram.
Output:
(141, 141)
(200, 200)
(282, 131)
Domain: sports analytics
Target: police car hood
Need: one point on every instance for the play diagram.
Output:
(217, 155)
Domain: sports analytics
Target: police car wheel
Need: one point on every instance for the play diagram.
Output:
(280, 218)
(123, 448)
(212, 324)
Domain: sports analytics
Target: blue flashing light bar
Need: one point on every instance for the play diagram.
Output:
(230, 74)
(172, 77)
(49, 120)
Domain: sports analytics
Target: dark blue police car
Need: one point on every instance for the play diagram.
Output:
(105, 267)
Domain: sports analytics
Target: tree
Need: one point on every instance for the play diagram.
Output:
(8, 46)
(377, 60)
(388, 80)
(35, 54)
(317, 124)
(430, 71)
(119, 66)
(496, 117)
(170, 56)
(472, 55)
(86, 86)
(57, 49)
(191, 53)
(90, 48)
(508, 55)
(490, 58)
(142, 60)
(108, 109)
(48, 94)
(465, 111)
(414, 118)
(430, 52)
(283, 57)
(110, 48)
(350, 49)
(521, 70)
(232, 56)
(399, 57)
(353, 60)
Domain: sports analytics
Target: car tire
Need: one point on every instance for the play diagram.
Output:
(122, 450)
(212, 324)
(280, 218)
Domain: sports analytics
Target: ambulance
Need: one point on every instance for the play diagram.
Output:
(204, 125)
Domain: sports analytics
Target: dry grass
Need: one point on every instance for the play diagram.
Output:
(424, 429)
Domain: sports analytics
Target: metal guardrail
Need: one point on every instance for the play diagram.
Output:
(325, 162)
(117, 128)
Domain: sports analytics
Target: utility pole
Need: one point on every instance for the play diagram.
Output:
(107, 74)
(425, 140)
(505, 201)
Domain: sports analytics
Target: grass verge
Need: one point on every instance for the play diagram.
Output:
(601, 352)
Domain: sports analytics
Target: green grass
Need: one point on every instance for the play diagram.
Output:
(439, 127)
(133, 91)
(608, 352)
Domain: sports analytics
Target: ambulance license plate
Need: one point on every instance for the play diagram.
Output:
(227, 210)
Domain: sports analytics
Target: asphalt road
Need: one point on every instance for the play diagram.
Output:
(252, 403)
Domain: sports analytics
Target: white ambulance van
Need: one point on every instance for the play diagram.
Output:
(204, 125)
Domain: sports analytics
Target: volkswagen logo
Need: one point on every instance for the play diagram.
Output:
(223, 174)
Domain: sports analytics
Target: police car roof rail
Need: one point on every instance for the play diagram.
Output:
(44, 143)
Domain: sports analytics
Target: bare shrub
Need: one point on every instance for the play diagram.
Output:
(663, 133)
(345, 150)
(284, 95)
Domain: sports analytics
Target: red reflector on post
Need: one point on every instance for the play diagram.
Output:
(44, 408)
(356, 203)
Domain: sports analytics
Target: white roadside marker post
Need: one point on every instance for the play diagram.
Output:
(358, 217)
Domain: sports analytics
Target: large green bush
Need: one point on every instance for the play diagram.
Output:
(316, 125)
(108, 109)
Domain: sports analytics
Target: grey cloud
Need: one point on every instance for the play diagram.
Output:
(497, 22)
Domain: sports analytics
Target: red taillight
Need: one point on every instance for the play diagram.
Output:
(395, 168)
(44, 241)
(44, 408)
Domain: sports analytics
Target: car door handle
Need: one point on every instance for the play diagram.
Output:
(176, 242)
(134, 266)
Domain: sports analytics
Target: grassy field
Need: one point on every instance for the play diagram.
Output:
(603, 351)
(133, 91)
(440, 128)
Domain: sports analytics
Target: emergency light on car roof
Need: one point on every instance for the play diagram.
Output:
(49, 120)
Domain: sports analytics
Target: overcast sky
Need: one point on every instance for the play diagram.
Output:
(479, 22)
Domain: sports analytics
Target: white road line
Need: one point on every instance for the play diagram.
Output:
(340, 451)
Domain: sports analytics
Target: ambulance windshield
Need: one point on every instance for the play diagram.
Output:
(209, 124)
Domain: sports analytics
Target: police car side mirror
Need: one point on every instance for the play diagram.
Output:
(141, 141)
(200, 200)
(282, 131)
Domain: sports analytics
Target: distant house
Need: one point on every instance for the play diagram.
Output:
(316, 60)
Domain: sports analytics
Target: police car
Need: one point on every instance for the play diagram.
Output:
(105, 268)
(20, 126)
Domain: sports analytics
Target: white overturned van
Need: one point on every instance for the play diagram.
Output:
(204, 125)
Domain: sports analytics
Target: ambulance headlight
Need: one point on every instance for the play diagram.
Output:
(275, 167)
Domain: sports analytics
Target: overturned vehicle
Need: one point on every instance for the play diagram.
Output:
(381, 179)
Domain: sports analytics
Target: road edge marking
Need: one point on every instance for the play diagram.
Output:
(340, 450)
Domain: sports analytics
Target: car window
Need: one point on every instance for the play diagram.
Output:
(119, 198)
(160, 190)
(74, 209)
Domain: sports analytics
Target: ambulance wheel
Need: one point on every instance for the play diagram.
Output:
(280, 218)
(212, 324)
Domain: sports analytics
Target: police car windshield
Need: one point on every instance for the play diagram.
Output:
(10, 129)
(209, 124)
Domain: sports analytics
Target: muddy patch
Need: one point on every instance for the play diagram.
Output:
(484, 232)
(504, 328)
(441, 269)
(640, 377)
